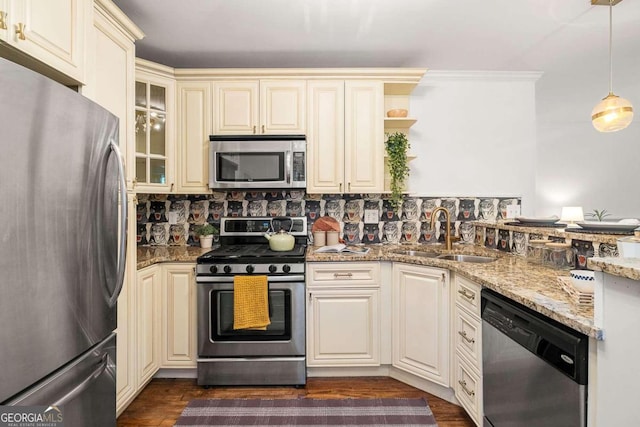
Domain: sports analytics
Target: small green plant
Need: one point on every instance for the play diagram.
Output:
(397, 146)
(598, 215)
(205, 230)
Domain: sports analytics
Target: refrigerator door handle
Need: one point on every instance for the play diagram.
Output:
(122, 248)
(84, 384)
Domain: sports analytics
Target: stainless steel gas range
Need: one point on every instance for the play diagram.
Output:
(275, 356)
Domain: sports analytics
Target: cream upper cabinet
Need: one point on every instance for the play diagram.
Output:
(325, 136)
(111, 73)
(50, 31)
(154, 130)
(420, 321)
(194, 128)
(345, 142)
(179, 316)
(255, 107)
(364, 137)
(343, 314)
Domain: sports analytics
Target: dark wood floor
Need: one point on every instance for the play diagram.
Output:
(162, 401)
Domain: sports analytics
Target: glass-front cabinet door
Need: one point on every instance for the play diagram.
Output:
(154, 102)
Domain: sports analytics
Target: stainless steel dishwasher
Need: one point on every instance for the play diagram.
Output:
(534, 368)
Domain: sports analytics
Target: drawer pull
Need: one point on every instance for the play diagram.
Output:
(336, 275)
(3, 17)
(20, 30)
(463, 334)
(463, 384)
(468, 295)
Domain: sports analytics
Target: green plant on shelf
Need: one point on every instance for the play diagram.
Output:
(397, 146)
(598, 215)
(205, 230)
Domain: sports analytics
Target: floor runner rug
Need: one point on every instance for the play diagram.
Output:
(307, 412)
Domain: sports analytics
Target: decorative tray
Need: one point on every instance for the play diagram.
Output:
(608, 226)
(580, 298)
(537, 224)
(594, 231)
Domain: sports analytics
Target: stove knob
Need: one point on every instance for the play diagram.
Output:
(286, 268)
(227, 269)
(250, 269)
(272, 268)
(214, 269)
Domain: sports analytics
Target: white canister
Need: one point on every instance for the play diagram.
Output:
(332, 238)
(319, 238)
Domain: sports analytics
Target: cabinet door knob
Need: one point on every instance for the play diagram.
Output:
(3, 18)
(20, 28)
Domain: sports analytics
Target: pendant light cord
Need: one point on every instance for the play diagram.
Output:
(610, 47)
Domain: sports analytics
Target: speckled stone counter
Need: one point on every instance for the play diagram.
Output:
(149, 255)
(534, 286)
(623, 267)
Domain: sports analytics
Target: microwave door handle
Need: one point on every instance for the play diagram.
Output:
(288, 166)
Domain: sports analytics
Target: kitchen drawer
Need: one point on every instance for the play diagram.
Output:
(468, 389)
(344, 274)
(468, 335)
(467, 294)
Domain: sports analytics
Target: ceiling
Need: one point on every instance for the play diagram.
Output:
(490, 35)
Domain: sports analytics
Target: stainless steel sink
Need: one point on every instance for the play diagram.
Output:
(423, 254)
(467, 258)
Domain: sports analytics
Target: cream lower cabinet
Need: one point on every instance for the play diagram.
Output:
(126, 332)
(148, 288)
(343, 314)
(345, 138)
(420, 321)
(194, 128)
(178, 316)
(467, 344)
(50, 31)
(253, 107)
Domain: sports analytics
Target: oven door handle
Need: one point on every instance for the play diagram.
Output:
(271, 279)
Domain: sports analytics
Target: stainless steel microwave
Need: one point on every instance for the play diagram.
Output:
(257, 161)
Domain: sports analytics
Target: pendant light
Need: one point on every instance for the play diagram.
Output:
(612, 113)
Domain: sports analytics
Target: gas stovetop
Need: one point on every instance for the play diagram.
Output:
(243, 248)
(256, 253)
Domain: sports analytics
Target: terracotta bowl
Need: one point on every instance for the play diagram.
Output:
(400, 112)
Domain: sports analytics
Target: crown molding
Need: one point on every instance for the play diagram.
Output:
(495, 76)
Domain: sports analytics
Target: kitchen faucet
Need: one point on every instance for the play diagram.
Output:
(447, 231)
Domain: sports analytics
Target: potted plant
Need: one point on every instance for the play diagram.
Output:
(597, 215)
(397, 146)
(205, 231)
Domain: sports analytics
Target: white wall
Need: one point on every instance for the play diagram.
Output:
(577, 165)
(475, 135)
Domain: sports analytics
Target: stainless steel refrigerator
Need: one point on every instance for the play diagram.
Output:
(62, 248)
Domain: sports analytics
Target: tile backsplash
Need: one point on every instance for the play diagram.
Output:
(172, 219)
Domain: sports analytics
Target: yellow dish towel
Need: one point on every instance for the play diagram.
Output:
(250, 302)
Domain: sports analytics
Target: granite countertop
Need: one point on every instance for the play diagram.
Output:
(149, 255)
(623, 267)
(534, 286)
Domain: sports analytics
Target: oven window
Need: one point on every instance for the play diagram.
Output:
(250, 167)
(222, 318)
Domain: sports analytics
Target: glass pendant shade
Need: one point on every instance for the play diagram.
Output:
(612, 114)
